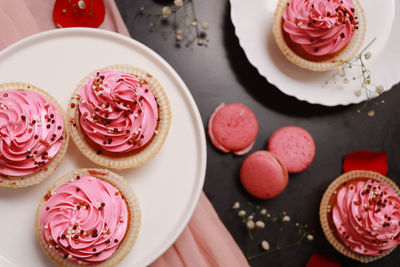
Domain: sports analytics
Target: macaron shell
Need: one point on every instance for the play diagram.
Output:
(294, 146)
(233, 128)
(263, 175)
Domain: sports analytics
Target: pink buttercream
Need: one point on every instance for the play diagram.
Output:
(117, 111)
(30, 132)
(367, 217)
(321, 27)
(85, 220)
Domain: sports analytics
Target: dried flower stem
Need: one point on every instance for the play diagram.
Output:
(184, 23)
(248, 217)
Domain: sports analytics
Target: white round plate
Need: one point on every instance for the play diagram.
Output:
(253, 26)
(168, 186)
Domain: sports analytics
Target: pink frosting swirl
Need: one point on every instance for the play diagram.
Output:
(31, 132)
(117, 111)
(321, 27)
(85, 220)
(367, 217)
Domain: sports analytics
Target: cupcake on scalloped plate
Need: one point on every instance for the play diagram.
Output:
(88, 217)
(33, 136)
(360, 215)
(119, 116)
(319, 35)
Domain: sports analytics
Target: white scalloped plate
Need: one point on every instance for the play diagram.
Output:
(253, 26)
(167, 187)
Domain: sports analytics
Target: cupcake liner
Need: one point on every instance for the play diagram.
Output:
(39, 176)
(150, 149)
(128, 195)
(344, 56)
(325, 209)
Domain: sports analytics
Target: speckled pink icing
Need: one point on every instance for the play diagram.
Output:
(321, 27)
(30, 132)
(367, 217)
(85, 220)
(118, 112)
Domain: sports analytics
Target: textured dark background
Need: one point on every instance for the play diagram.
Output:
(221, 72)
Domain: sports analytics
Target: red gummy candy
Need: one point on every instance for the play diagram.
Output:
(366, 160)
(79, 13)
(322, 260)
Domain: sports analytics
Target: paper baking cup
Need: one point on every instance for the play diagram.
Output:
(150, 149)
(344, 56)
(325, 209)
(39, 176)
(133, 208)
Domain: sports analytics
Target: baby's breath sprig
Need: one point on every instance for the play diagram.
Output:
(179, 18)
(367, 85)
(256, 219)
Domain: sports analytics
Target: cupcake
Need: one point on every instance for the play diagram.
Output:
(33, 136)
(119, 116)
(319, 35)
(88, 217)
(360, 215)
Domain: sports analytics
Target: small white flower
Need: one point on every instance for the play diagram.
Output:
(251, 217)
(179, 37)
(368, 55)
(81, 4)
(178, 2)
(260, 224)
(236, 205)
(166, 11)
(200, 41)
(242, 213)
(285, 218)
(250, 225)
(379, 89)
(194, 23)
(371, 113)
(265, 245)
(205, 25)
(297, 224)
(263, 211)
(310, 237)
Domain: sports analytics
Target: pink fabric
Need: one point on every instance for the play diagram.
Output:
(205, 241)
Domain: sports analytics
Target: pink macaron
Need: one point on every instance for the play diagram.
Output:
(263, 175)
(233, 128)
(294, 146)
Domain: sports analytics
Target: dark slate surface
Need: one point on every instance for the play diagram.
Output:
(221, 73)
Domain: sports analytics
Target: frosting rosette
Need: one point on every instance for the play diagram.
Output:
(119, 116)
(88, 216)
(320, 27)
(366, 215)
(31, 132)
(118, 112)
(85, 220)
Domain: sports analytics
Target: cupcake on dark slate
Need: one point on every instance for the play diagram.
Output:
(360, 215)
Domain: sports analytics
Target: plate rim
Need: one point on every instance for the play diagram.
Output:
(274, 82)
(188, 97)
